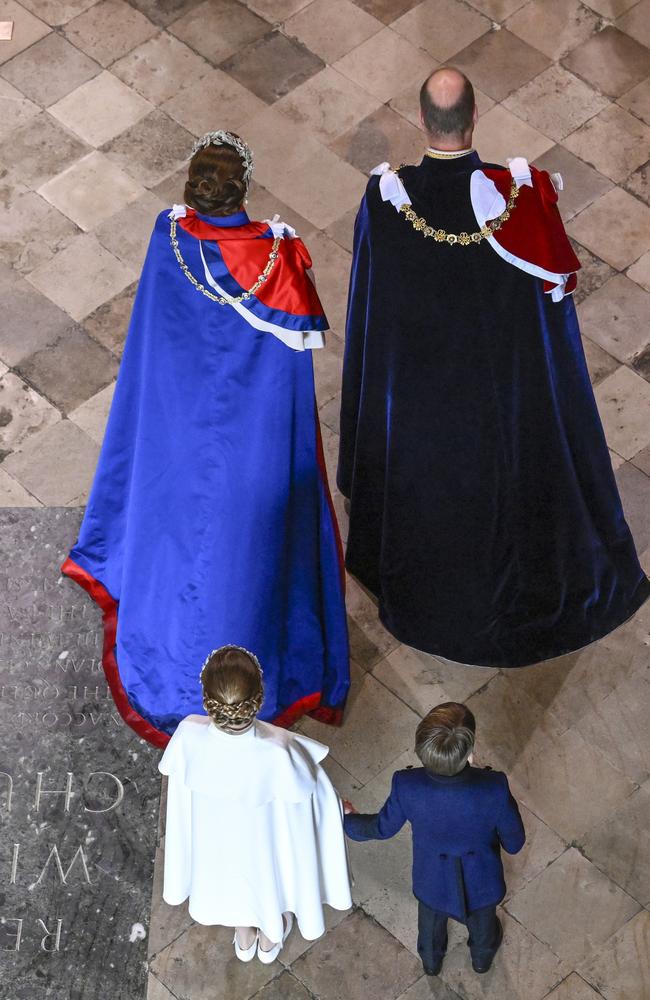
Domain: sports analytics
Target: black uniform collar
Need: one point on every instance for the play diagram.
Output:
(455, 165)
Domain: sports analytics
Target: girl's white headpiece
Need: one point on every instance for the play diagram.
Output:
(229, 646)
(224, 138)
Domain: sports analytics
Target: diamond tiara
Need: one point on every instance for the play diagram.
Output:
(223, 138)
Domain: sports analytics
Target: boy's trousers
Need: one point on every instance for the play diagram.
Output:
(432, 934)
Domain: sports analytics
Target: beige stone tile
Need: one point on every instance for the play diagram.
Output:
(385, 64)
(15, 109)
(331, 267)
(127, 233)
(285, 987)
(637, 101)
(276, 11)
(621, 971)
(279, 145)
(582, 889)
(109, 322)
(620, 845)
(617, 727)
(92, 415)
(610, 8)
(100, 109)
(642, 460)
(497, 10)
(616, 227)
(108, 30)
(91, 190)
(553, 26)
(637, 22)
(160, 68)
(296, 945)
(371, 641)
(342, 230)
(425, 989)
(441, 27)
(262, 205)
(371, 708)
(422, 681)
(599, 362)
(614, 142)
(23, 413)
(27, 29)
(153, 149)
(613, 316)
(500, 134)
(321, 188)
(330, 28)
(31, 230)
(542, 846)
(610, 60)
(156, 990)
(524, 969)
(218, 28)
(556, 102)
(167, 923)
(573, 988)
(56, 465)
(328, 365)
(214, 99)
(500, 62)
(38, 150)
(634, 488)
(67, 68)
(638, 183)
(57, 12)
(624, 405)
(81, 277)
(383, 135)
(328, 103)
(616, 460)
(12, 494)
(582, 184)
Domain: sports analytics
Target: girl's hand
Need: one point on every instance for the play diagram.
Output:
(348, 807)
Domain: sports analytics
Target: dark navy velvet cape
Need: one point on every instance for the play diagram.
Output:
(484, 512)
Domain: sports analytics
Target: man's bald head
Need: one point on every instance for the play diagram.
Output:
(447, 105)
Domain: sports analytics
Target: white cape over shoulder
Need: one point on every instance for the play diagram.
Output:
(254, 828)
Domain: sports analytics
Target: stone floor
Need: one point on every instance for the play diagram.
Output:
(100, 102)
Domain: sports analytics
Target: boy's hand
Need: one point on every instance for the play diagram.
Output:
(348, 807)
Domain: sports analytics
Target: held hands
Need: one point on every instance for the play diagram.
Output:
(348, 807)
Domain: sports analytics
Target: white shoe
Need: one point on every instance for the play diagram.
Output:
(245, 954)
(266, 957)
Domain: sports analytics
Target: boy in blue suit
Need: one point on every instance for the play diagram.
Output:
(461, 816)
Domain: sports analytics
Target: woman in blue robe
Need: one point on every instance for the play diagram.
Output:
(210, 519)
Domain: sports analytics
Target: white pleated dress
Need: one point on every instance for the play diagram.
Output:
(254, 828)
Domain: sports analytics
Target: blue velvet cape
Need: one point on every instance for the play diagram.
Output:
(484, 511)
(209, 521)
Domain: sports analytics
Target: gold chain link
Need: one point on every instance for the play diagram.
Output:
(223, 299)
(462, 239)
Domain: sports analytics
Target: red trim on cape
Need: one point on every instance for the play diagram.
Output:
(310, 705)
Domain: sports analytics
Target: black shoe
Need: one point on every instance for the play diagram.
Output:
(482, 965)
(435, 971)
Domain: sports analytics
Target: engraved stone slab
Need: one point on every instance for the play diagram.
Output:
(78, 790)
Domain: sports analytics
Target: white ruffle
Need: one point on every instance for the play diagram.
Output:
(178, 212)
(390, 186)
(518, 167)
(487, 200)
(280, 228)
(557, 182)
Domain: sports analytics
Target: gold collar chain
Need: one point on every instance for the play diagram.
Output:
(223, 300)
(454, 154)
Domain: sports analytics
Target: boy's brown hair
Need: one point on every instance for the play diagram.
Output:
(445, 738)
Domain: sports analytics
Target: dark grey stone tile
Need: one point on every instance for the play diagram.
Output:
(30, 321)
(634, 487)
(382, 135)
(582, 184)
(49, 70)
(40, 150)
(151, 149)
(594, 273)
(273, 66)
(109, 323)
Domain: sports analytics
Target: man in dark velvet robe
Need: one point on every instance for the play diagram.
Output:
(484, 514)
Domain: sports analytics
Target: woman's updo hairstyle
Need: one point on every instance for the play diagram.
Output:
(232, 686)
(216, 184)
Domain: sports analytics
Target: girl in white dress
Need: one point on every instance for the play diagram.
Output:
(254, 831)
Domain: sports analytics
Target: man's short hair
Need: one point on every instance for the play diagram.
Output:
(445, 738)
(455, 119)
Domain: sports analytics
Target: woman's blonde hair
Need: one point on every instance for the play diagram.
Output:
(232, 686)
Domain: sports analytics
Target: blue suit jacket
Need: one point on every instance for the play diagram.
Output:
(459, 826)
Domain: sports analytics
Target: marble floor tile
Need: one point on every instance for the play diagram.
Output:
(637, 101)
(369, 963)
(385, 64)
(167, 922)
(328, 103)
(100, 109)
(599, 362)
(386, 10)
(321, 189)
(383, 135)
(285, 987)
(272, 66)
(623, 400)
(441, 27)
(582, 184)
(12, 494)
(614, 142)
(524, 968)
(108, 30)
(611, 317)
(616, 227)
(152, 149)
(636, 22)
(219, 29)
(91, 190)
(330, 28)
(375, 640)
(329, 413)
(610, 8)
(27, 29)
(262, 204)
(553, 903)
(156, 990)
(92, 415)
(57, 12)
(500, 62)
(638, 183)
(427, 988)
(634, 487)
(276, 11)
(556, 102)
(81, 277)
(573, 988)
(109, 322)
(187, 966)
(616, 725)
(500, 134)
(542, 847)
(553, 26)
(640, 271)
(622, 969)
(279, 145)
(620, 845)
(297, 945)
(213, 98)
(642, 460)
(641, 364)
(30, 321)
(371, 708)
(342, 230)
(422, 681)
(127, 233)
(331, 267)
(160, 68)
(40, 149)
(71, 370)
(610, 60)
(23, 413)
(31, 230)
(327, 368)
(67, 69)
(593, 273)
(396, 909)
(163, 12)
(497, 10)
(15, 109)
(56, 465)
